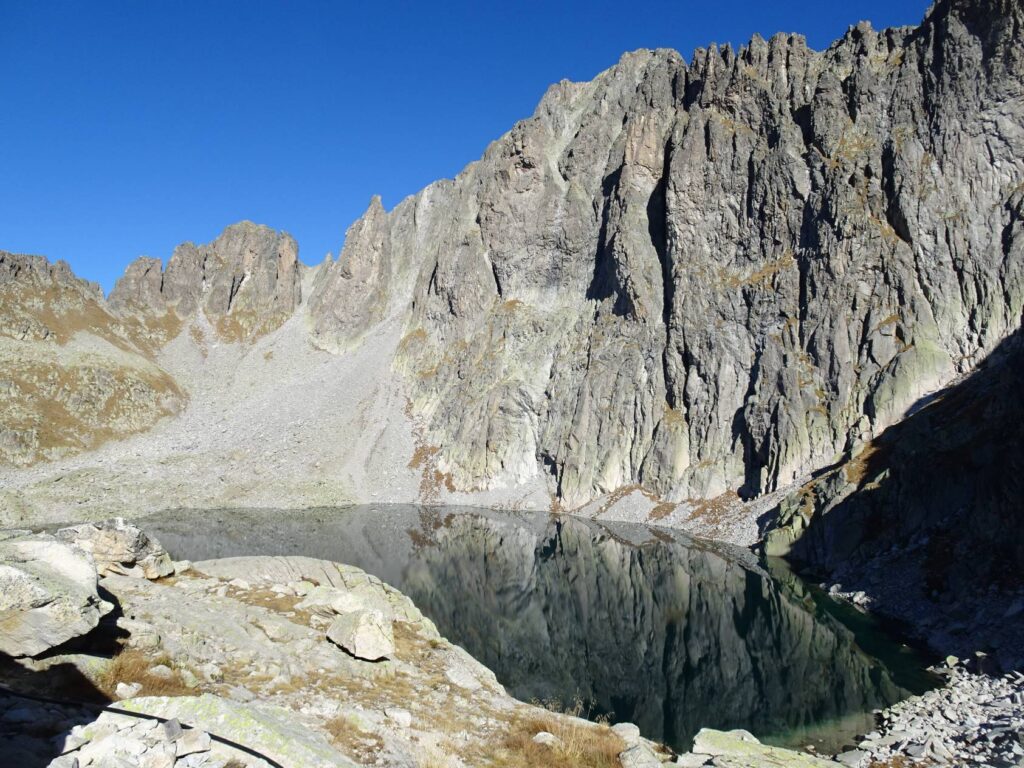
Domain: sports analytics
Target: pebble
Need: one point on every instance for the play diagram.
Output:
(127, 690)
(547, 739)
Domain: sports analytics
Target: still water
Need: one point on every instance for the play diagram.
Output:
(644, 625)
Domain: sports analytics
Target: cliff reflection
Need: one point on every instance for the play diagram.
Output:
(649, 627)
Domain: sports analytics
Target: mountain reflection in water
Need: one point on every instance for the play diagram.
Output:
(647, 626)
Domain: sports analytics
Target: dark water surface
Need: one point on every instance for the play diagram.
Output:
(646, 625)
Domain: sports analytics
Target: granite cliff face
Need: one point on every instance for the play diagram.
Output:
(708, 276)
(695, 278)
(246, 283)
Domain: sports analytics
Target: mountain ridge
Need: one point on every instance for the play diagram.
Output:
(700, 278)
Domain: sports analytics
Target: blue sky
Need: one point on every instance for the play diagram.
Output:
(128, 127)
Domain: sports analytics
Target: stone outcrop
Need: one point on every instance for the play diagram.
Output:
(246, 283)
(239, 672)
(48, 594)
(267, 730)
(739, 749)
(365, 634)
(918, 518)
(117, 546)
(659, 630)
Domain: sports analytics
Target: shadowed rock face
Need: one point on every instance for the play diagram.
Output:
(709, 275)
(655, 630)
(924, 518)
(246, 282)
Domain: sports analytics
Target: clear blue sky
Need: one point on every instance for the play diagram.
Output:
(128, 127)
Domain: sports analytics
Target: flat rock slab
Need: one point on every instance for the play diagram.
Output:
(267, 730)
(739, 749)
(361, 589)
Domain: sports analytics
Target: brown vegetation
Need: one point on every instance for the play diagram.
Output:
(133, 666)
(580, 744)
(713, 511)
(858, 468)
(346, 734)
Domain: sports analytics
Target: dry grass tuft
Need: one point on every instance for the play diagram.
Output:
(346, 735)
(580, 744)
(662, 510)
(714, 511)
(133, 666)
(857, 469)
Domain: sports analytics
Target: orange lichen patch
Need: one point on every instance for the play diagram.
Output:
(762, 277)
(243, 325)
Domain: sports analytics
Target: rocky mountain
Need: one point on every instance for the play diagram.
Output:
(922, 517)
(702, 279)
(246, 283)
(72, 374)
(713, 275)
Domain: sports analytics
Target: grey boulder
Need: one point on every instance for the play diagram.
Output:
(120, 547)
(47, 595)
(365, 634)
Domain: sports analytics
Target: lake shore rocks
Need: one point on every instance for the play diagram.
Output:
(739, 749)
(245, 646)
(975, 719)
